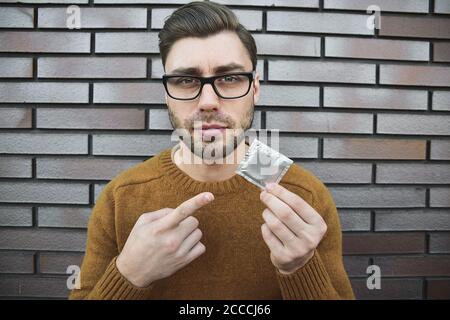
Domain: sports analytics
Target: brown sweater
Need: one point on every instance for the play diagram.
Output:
(236, 264)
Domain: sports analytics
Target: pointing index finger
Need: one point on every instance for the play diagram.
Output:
(187, 208)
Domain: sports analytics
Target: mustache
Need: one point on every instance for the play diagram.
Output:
(210, 117)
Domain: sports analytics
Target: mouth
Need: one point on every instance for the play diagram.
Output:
(209, 130)
(211, 126)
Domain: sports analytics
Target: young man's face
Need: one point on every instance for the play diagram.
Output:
(219, 54)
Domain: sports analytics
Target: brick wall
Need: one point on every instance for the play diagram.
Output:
(368, 111)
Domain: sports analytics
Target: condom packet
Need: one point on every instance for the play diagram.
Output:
(263, 164)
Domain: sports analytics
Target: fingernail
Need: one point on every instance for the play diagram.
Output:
(208, 197)
(262, 195)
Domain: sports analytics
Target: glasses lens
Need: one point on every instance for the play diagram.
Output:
(232, 86)
(228, 86)
(183, 87)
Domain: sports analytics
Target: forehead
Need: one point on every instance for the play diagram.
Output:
(207, 54)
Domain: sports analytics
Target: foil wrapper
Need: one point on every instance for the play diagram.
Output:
(263, 164)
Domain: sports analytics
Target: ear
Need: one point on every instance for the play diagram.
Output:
(256, 88)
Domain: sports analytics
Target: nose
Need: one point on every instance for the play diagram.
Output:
(208, 99)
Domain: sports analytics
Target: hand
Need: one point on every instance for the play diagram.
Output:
(292, 228)
(162, 242)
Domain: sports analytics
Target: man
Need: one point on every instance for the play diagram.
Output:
(175, 229)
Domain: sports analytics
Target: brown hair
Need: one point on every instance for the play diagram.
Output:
(202, 19)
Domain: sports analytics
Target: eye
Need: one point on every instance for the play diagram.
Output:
(229, 79)
(185, 80)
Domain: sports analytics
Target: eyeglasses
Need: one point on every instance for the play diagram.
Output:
(227, 86)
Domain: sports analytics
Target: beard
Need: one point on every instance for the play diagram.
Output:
(215, 149)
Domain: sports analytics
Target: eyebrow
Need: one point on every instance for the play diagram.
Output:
(195, 71)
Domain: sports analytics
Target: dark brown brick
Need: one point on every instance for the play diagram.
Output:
(353, 148)
(438, 289)
(383, 243)
(422, 27)
(414, 266)
(16, 262)
(52, 262)
(42, 239)
(32, 287)
(101, 118)
(390, 289)
(441, 51)
(414, 75)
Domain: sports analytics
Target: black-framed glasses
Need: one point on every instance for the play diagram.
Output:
(226, 86)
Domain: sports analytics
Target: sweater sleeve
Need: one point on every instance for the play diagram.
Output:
(323, 277)
(99, 277)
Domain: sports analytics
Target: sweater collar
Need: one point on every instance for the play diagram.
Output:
(179, 179)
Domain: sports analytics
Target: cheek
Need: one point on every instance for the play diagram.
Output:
(181, 110)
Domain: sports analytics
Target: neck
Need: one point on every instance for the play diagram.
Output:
(201, 171)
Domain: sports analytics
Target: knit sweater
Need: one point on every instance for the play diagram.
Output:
(236, 263)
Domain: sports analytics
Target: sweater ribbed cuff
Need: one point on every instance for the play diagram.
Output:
(114, 286)
(310, 282)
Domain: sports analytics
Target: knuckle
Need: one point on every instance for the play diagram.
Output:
(310, 240)
(155, 231)
(183, 212)
(284, 215)
(192, 220)
(276, 225)
(172, 244)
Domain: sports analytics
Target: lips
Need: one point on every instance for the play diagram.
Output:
(212, 126)
(212, 131)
